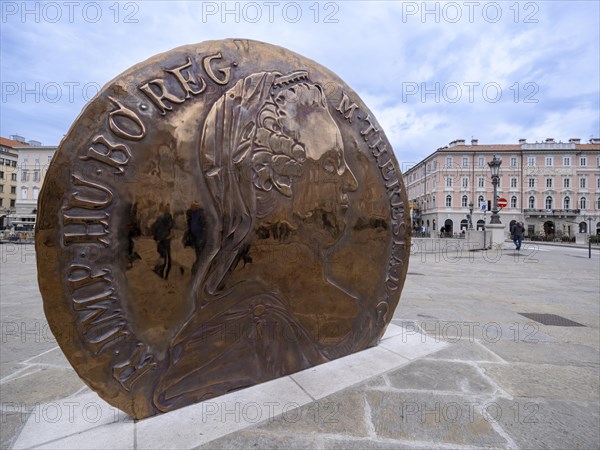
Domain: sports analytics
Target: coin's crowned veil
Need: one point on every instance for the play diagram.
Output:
(244, 128)
(263, 231)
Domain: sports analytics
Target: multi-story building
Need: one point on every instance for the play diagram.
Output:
(8, 179)
(553, 187)
(33, 163)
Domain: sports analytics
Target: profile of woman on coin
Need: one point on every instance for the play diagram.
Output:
(219, 215)
(279, 189)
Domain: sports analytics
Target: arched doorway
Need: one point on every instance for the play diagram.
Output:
(549, 228)
(480, 224)
(598, 228)
(583, 227)
(464, 224)
(448, 225)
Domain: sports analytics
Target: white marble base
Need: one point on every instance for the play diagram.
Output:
(86, 421)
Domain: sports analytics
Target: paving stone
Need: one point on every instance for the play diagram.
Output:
(11, 424)
(374, 382)
(65, 418)
(9, 368)
(204, 422)
(448, 294)
(546, 381)
(437, 313)
(443, 419)
(590, 320)
(403, 323)
(395, 329)
(258, 440)
(466, 350)
(440, 376)
(342, 414)
(489, 331)
(575, 335)
(365, 444)
(547, 353)
(15, 350)
(325, 379)
(121, 438)
(551, 424)
(412, 345)
(54, 357)
(42, 386)
(24, 371)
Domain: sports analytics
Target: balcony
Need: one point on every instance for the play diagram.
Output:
(552, 212)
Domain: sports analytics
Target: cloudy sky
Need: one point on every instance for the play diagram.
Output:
(431, 72)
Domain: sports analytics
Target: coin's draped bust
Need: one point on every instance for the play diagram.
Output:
(218, 216)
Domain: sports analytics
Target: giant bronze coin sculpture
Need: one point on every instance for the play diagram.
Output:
(219, 215)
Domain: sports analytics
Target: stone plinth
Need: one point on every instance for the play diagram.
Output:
(497, 233)
(475, 238)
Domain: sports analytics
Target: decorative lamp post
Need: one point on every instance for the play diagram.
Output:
(495, 168)
(589, 219)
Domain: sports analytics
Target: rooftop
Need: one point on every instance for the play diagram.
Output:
(11, 143)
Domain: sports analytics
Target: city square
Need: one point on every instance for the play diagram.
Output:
(460, 367)
(299, 225)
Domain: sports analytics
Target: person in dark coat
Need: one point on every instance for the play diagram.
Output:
(196, 232)
(161, 232)
(517, 234)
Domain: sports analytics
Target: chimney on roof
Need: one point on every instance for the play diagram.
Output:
(474, 141)
(550, 141)
(574, 141)
(522, 141)
(457, 142)
(595, 140)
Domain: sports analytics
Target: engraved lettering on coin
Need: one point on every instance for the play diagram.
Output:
(218, 216)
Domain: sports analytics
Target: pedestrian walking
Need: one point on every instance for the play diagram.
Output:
(517, 234)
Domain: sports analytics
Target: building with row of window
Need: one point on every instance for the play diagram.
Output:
(23, 166)
(553, 187)
(33, 164)
(8, 179)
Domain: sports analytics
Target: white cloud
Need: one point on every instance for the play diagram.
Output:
(379, 48)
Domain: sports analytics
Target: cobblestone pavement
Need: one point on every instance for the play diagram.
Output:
(501, 380)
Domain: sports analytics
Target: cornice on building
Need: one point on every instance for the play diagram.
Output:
(37, 147)
(458, 146)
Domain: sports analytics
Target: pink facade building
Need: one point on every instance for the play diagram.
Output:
(552, 187)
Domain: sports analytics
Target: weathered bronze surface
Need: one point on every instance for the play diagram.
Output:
(220, 215)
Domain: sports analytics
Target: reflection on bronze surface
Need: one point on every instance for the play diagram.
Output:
(218, 216)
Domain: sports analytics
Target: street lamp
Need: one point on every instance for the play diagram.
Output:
(495, 168)
(589, 219)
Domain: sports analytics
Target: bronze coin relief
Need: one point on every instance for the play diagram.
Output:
(218, 216)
